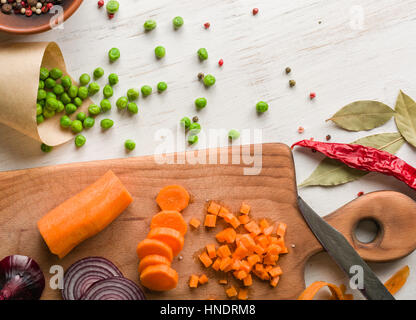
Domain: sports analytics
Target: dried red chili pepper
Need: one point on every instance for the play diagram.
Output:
(365, 158)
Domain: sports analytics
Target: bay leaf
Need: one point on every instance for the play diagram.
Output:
(406, 117)
(331, 172)
(362, 115)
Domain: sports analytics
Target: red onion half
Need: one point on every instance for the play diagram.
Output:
(84, 273)
(20, 279)
(114, 289)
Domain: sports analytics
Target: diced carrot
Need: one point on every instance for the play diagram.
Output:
(223, 211)
(159, 277)
(248, 242)
(173, 197)
(236, 264)
(152, 260)
(212, 253)
(203, 279)
(224, 251)
(259, 249)
(227, 235)
(245, 266)
(170, 236)
(262, 240)
(223, 281)
(216, 265)
(273, 240)
(281, 230)
(248, 281)
(231, 292)
(225, 263)
(253, 259)
(281, 243)
(268, 231)
(210, 221)
(263, 224)
(267, 268)
(193, 281)
(252, 226)
(235, 222)
(243, 218)
(205, 259)
(276, 271)
(169, 219)
(243, 294)
(270, 259)
(240, 274)
(274, 249)
(229, 267)
(245, 208)
(84, 215)
(150, 247)
(195, 223)
(274, 281)
(240, 252)
(214, 208)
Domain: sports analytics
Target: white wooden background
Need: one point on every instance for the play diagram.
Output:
(360, 50)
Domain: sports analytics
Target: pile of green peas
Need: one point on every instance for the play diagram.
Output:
(192, 127)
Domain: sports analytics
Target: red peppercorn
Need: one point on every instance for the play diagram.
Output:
(110, 15)
(359, 194)
(301, 130)
(100, 3)
(221, 62)
(23, 4)
(207, 25)
(49, 5)
(28, 12)
(312, 95)
(255, 11)
(45, 9)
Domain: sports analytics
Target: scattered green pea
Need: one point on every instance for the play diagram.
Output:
(132, 107)
(50, 83)
(45, 148)
(83, 93)
(84, 79)
(58, 89)
(70, 108)
(50, 95)
(73, 91)
(195, 128)
(262, 106)
(108, 91)
(146, 90)
(81, 116)
(51, 104)
(130, 145)
(113, 79)
(93, 88)
(149, 25)
(41, 84)
(65, 98)
(106, 124)
(98, 73)
(66, 82)
(65, 122)
(47, 114)
(177, 22)
(40, 119)
(76, 126)
(56, 73)
(122, 103)
(185, 122)
(77, 101)
(94, 110)
(80, 140)
(112, 6)
(203, 54)
(162, 86)
(61, 107)
(192, 139)
(89, 122)
(160, 52)
(114, 54)
(201, 103)
(105, 105)
(41, 94)
(233, 134)
(44, 74)
(39, 109)
(209, 80)
(133, 94)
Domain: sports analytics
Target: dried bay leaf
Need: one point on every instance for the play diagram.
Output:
(362, 115)
(331, 172)
(406, 117)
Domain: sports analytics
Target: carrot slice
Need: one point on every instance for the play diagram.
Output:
(214, 208)
(159, 277)
(149, 247)
(397, 281)
(205, 259)
(173, 197)
(170, 236)
(210, 221)
(313, 289)
(193, 281)
(203, 279)
(212, 252)
(169, 219)
(195, 223)
(152, 260)
(84, 215)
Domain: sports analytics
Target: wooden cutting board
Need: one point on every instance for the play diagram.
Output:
(26, 195)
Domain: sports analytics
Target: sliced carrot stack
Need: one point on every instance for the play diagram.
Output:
(159, 277)
(169, 219)
(152, 259)
(173, 197)
(170, 236)
(151, 247)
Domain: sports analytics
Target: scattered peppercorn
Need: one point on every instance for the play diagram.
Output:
(195, 119)
(221, 62)
(201, 76)
(207, 25)
(292, 83)
(288, 70)
(255, 11)
(312, 95)
(100, 3)
(359, 194)
(301, 130)
(328, 137)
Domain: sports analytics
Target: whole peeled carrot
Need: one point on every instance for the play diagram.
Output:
(84, 215)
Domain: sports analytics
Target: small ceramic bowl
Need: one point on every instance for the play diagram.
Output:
(20, 24)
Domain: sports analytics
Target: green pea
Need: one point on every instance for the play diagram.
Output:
(192, 139)
(130, 145)
(70, 108)
(93, 88)
(56, 73)
(146, 90)
(65, 98)
(201, 103)
(112, 6)
(41, 94)
(98, 73)
(105, 105)
(133, 94)
(160, 52)
(233, 134)
(81, 116)
(42, 102)
(76, 126)
(209, 80)
(60, 107)
(50, 95)
(41, 84)
(73, 91)
(113, 79)
(44, 74)
(47, 114)
(133, 108)
(80, 140)
(50, 83)
(45, 148)
(177, 22)
(83, 93)
(106, 124)
(162, 86)
(78, 101)
(65, 122)
(39, 109)
(58, 89)
(122, 103)
(203, 54)
(94, 110)
(114, 54)
(84, 79)
(89, 122)
(40, 119)
(51, 104)
(185, 122)
(66, 82)
(149, 25)
(262, 106)
(195, 128)
(108, 91)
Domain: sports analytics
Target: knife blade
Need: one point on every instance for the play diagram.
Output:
(343, 253)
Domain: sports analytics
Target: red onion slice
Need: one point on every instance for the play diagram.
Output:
(84, 273)
(117, 288)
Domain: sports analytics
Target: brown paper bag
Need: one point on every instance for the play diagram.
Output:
(19, 80)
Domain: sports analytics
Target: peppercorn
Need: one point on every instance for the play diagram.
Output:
(6, 8)
(312, 95)
(100, 3)
(207, 25)
(328, 137)
(292, 83)
(201, 76)
(359, 194)
(301, 130)
(288, 70)
(255, 11)
(221, 62)
(195, 119)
